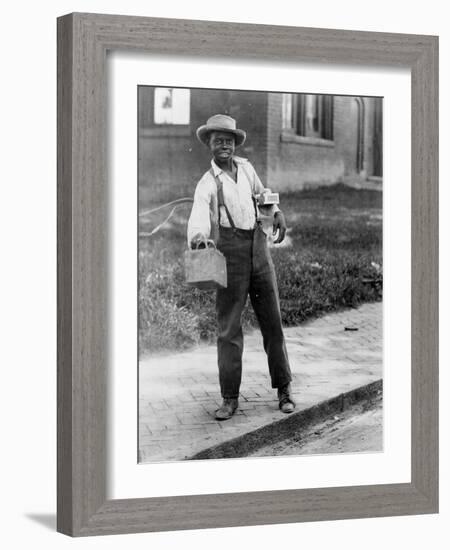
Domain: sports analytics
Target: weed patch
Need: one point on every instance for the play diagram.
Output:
(336, 251)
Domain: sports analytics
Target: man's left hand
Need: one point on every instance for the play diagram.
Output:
(279, 224)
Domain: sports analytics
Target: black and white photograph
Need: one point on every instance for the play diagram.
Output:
(184, 383)
(221, 294)
(260, 274)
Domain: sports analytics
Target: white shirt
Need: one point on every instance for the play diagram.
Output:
(237, 196)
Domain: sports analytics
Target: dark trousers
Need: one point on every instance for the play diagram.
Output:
(250, 271)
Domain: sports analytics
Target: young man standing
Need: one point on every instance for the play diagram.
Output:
(225, 209)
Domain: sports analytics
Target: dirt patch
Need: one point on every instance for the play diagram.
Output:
(358, 429)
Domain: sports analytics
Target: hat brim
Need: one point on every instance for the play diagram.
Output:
(204, 131)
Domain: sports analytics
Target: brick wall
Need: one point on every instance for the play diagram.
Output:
(371, 106)
(346, 132)
(303, 163)
(170, 165)
(172, 162)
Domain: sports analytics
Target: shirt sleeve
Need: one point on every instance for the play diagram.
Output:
(199, 220)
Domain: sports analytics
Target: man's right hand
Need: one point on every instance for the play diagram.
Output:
(197, 240)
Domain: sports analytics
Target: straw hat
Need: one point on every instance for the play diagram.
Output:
(221, 123)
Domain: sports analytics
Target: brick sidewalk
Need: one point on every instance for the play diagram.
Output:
(179, 393)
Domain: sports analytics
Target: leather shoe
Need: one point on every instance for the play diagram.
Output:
(285, 402)
(226, 411)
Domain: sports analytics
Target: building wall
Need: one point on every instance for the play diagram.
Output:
(349, 110)
(373, 136)
(172, 160)
(346, 111)
(295, 163)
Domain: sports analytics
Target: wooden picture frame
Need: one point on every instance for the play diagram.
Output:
(83, 41)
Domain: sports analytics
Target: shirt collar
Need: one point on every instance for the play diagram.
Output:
(217, 170)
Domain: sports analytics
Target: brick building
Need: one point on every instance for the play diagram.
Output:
(293, 140)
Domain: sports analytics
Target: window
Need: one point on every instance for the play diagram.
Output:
(171, 106)
(308, 115)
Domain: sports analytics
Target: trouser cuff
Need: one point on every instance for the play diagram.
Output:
(279, 384)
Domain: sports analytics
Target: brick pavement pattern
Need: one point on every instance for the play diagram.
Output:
(179, 393)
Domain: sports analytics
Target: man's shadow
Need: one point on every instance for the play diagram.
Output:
(47, 520)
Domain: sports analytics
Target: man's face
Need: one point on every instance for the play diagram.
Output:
(222, 146)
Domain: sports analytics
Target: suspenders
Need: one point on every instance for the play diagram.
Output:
(221, 200)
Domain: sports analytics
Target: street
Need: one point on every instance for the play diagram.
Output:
(358, 429)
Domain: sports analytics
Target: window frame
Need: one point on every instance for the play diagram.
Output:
(297, 108)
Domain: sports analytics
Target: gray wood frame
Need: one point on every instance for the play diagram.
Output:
(83, 40)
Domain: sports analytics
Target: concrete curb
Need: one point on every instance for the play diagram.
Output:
(279, 430)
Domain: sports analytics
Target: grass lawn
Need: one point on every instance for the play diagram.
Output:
(335, 246)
